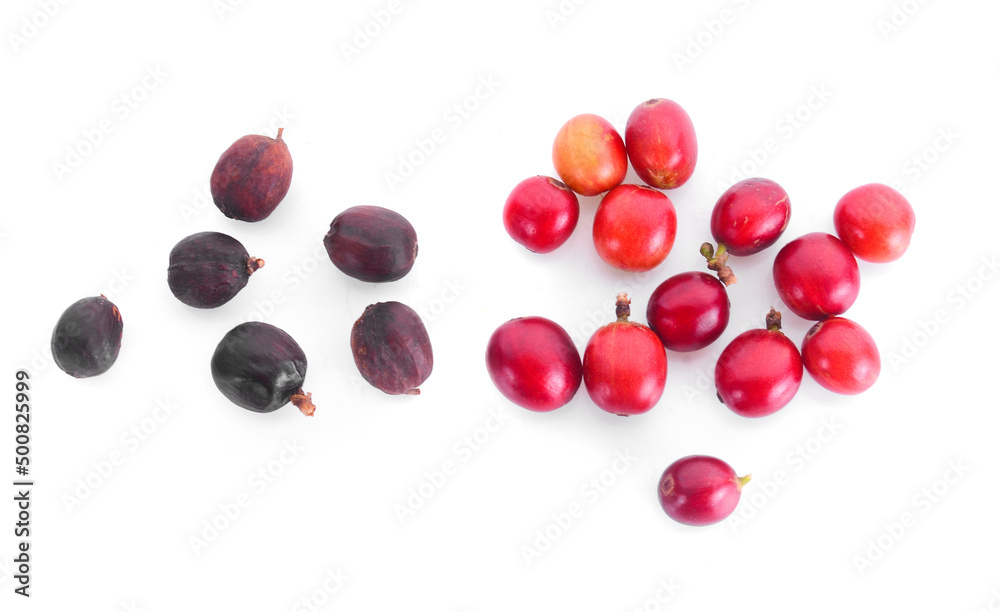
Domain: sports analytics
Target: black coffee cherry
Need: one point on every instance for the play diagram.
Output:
(87, 338)
(261, 368)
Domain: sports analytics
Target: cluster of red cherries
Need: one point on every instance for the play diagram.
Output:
(535, 364)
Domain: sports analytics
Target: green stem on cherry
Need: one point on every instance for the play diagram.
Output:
(717, 259)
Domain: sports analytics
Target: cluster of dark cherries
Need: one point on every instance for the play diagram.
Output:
(534, 363)
(259, 366)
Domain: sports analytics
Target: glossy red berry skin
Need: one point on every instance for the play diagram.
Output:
(816, 276)
(841, 356)
(634, 228)
(750, 216)
(758, 373)
(534, 363)
(875, 221)
(688, 311)
(624, 366)
(661, 143)
(589, 155)
(700, 490)
(541, 213)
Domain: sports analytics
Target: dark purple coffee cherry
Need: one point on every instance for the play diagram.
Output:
(209, 268)
(261, 368)
(87, 337)
(372, 244)
(392, 349)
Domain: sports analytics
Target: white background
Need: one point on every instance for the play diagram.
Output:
(108, 224)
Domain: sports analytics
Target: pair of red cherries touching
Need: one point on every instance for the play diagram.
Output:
(535, 364)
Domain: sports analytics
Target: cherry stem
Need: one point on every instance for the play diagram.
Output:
(773, 320)
(622, 310)
(717, 259)
(280, 130)
(303, 401)
(742, 481)
(254, 264)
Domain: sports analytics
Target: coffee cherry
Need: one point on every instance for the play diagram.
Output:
(700, 490)
(209, 268)
(624, 365)
(688, 311)
(261, 368)
(252, 177)
(391, 348)
(589, 155)
(87, 337)
(816, 276)
(841, 356)
(634, 228)
(760, 371)
(875, 221)
(661, 144)
(750, 216)
(372, 244)
(541, 213)
(534, 363)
